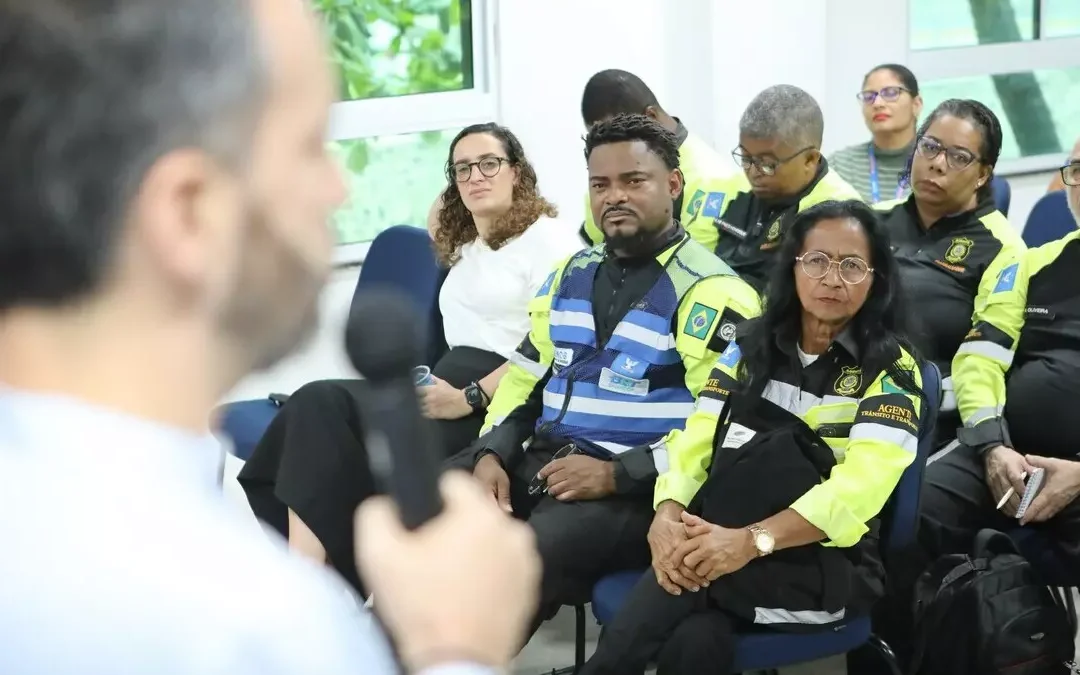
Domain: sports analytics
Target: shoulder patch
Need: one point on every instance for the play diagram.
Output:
(700, 321)
(545, 287)
(695, 203)
(714, 202)
(725, 330)
(1007, 278)
(890, 387)
(731, 355)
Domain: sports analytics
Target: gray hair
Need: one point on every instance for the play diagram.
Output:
(92, 94)
(785, 113)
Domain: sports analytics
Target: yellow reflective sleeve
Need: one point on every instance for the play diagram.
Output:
(706, 198)
(706, 321)
(590, 231)
(980, 364)
(884, 440)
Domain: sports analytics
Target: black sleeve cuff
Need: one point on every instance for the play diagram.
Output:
(986, 435)
(635, 472)
(503, 441)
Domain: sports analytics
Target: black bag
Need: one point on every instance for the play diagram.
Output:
(988, 613)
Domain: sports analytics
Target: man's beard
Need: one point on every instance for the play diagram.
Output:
(274, 307)
(641, 242)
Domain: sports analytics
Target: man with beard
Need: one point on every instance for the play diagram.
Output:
(164, 195)
(624, 337)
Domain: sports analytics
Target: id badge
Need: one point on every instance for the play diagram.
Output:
(621, 384)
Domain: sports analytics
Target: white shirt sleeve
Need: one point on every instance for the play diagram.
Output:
(555, 241)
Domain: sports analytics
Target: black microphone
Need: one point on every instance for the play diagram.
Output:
(383, 341)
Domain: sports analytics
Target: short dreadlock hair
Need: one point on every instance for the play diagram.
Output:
(634, 127)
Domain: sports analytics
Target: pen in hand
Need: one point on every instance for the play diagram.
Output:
(1009, 493)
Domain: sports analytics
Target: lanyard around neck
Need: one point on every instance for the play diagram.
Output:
(875, 185)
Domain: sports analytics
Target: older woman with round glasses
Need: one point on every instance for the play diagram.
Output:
(767, 514)
(950, 238)
(890, 106)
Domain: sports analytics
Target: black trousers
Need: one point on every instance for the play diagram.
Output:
(579, 542)
(312, 457)
(955, 504)
(694, 633)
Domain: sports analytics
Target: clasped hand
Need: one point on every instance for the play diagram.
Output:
(688, 552)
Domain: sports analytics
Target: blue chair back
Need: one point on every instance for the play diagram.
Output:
(1002, 193)
(902, 511)
(402, 257)
(1049, 220)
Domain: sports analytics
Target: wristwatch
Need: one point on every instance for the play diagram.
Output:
(763, 540)
(475, 396)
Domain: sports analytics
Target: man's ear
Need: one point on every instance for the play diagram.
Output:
(676, 183)
(652, 112)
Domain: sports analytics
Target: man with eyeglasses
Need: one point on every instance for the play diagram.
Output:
(779, 139)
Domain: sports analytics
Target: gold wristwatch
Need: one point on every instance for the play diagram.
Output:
(762, 538)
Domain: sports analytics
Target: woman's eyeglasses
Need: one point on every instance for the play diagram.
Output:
(889, 94)
(816, 265)
(956, 157)
(488, 166)
(1070, 173)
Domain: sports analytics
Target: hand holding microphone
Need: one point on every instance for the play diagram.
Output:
(456, 580)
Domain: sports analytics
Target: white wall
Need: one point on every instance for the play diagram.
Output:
(704, 61)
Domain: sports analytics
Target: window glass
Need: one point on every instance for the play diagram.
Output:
(392, 181)
(940, 24)
(399, 47)
(1039, 110)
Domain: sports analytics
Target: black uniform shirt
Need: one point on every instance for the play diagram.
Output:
(751, 229)
(941, 269)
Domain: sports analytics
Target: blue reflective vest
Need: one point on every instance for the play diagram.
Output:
(631, 391)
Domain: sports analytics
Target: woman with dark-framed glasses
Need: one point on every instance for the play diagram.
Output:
(767, 515)
(499, 238)
(891, 105)
(948, 235)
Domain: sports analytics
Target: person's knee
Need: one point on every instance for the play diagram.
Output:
(318, 395)
(702, 644)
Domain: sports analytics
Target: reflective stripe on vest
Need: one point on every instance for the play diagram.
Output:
(632, 390)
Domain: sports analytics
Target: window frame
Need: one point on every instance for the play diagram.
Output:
(986, 60)
(415, 113)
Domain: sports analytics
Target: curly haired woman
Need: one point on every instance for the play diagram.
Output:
(500, 239)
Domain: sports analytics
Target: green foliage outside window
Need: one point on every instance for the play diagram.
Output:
(386, 48)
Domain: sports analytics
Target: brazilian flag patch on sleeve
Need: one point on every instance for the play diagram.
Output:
(700, 321)
(890, 387)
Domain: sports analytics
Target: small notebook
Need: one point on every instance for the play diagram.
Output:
(1031, 490)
